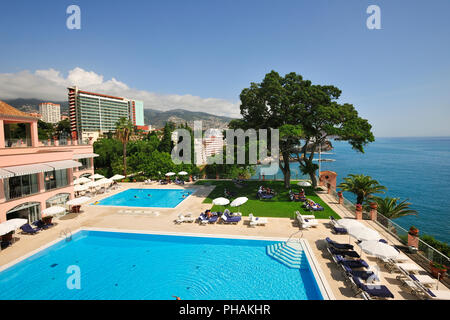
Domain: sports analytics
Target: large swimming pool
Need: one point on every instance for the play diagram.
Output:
(115, 265)
(156, 198)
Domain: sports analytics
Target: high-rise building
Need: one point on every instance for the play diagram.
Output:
(92, 114)
(50, 112)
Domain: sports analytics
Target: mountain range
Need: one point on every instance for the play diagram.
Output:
(155, 118)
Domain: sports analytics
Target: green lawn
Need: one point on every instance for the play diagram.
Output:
(279, 206)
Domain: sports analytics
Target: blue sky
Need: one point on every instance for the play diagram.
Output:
(200, 54)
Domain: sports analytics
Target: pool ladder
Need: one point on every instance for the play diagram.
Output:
(67, 234)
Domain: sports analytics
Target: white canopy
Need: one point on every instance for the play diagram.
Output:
(4, 229)
(239, 201)
(379, 249)
(65, 164)
(104, 181)
(117, 177)
(304, 184)
(221, 201)
(53, 211)
(364, 233)
(78, 201)
(96, 176)
(169, 174)
(91, 184)
(81, 180)
(349, 223)
(182, 173)
(84, 155)
(80, 187)
(15, 223)
(5, 174)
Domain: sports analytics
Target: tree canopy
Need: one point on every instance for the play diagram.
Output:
(303, 112)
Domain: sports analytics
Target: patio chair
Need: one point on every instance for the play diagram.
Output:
(371, 291)
(434, 294)
(254, 221)
(26, 228)
(339, 246)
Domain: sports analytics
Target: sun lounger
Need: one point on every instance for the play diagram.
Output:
(39, 224)
(372, 291)
(184, 218)
(339, 246)
(254, 221)
(408, 267)
(344, 253)
(352, 264)
(424, 279)
(436, 294)
(29, 229)
(364, 275)
(230, 219)
(306, 221)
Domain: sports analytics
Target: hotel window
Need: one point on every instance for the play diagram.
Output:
(21, 186)
(86, 164)
(55, 179)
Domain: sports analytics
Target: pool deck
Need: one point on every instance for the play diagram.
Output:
(162, 220)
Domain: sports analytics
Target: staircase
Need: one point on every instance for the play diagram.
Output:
(288, 253)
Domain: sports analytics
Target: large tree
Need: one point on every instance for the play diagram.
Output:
(303, 111)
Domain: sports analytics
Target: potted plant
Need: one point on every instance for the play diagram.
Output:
(438, 270)
(413, 231)
(413, 237)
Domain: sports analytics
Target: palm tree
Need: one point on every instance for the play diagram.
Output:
(389, 207)
(362, 186)
(124, 128)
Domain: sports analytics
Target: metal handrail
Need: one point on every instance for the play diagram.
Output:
(440, 256)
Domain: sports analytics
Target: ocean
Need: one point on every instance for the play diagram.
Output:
(417, 169)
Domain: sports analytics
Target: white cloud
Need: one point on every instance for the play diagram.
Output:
(52, 85)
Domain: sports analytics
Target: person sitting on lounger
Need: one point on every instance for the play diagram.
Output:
(208, 213)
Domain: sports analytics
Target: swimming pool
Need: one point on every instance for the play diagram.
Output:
(116, 265)
(155, 198)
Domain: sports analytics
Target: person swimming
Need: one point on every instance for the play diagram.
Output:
(149, 195)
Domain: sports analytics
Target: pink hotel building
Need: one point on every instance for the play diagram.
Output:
(35, 175)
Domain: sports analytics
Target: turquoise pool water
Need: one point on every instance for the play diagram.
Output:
(140, 266)
(155, 198)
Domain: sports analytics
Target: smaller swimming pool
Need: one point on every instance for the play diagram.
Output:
(149, 198)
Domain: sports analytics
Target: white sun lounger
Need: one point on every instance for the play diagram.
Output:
(306, 221)
(254, 221)
(408, 267)
(185, 218)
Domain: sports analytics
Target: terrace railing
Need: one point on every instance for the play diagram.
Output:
(426, 252)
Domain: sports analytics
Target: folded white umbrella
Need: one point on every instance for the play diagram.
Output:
(80, 187)
(15, 223)
(53, 211)
(169, 174)
(379, 249)
(78, 201)
(304, 184)
(221, 201)
(96, 176)
(349, 223)
(182, 173)
(363, 233)
(117, 177)
(239, 201)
